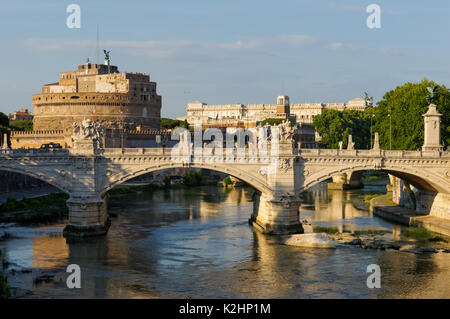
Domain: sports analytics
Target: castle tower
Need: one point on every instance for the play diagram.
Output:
(283, 106)
(101, 93)
(432, 137)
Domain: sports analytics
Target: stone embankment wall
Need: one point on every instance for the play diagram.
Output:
(427, 202)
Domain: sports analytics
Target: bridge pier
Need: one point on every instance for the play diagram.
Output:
(276, 215)
(87, 217)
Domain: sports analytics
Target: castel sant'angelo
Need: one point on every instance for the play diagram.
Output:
(126, 104)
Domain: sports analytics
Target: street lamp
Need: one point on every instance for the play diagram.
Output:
(369, 103)
(371, 124)
(390, 127)
(121, 128)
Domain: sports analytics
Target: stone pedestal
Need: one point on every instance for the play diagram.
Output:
(87, 217)
(276, 215)
(432, 134)
(83, 147)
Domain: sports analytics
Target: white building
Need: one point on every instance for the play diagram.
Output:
(304, 113)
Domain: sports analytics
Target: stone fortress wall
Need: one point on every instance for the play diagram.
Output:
(115, 100)
(112, 138)
(118, 101)
(34, 139)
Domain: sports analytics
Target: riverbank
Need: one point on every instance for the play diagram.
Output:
(413, 240)
(36, 210)
(52, 207)
(382, 206)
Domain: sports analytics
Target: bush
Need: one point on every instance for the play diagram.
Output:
(4, 120)
(171, 124)
(193, 178)
(4, 289)
(227, 181)
(21, 125)
(10, 204)
(41, 202)
(166, 181)
(367, 198)
(272, 121)
(421, 234)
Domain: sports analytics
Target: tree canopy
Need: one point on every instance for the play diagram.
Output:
(4, 123)
(408, 104)
(21, 125)
(170, 124)
(334, 126)
(275, 121)
(4, 120)
(271, 121)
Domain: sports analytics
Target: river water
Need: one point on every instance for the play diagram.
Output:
(197, 243)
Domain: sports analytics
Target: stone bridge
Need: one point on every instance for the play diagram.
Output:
(279, 174)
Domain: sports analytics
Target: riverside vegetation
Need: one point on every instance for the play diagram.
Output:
(412, 240)
(41, 209)
(4, 289)
(52, 207)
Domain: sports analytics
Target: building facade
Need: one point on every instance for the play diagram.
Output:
(21, 115)
(303, 113)
(103, 94)
(126, 104)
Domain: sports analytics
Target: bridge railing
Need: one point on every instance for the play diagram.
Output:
(372, 153)
(204, 155)
(33, 151)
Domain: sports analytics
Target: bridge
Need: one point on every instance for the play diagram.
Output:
(279, 173)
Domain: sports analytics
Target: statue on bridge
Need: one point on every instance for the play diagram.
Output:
(368, 100)
(88, 131)
(350, 144)
(286, 130)
(376, 144)
(433, 94)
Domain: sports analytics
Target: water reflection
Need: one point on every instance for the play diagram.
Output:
(197, 243)
(342, 210)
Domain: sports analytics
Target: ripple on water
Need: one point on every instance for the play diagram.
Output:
(185, 244)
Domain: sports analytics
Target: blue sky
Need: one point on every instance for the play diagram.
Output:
(229, 51)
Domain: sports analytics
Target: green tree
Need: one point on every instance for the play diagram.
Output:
(273, 121)
(407, 104)
(334, 126)
(171, 124)
(4, 120)
(4, 289)
(193, 178)
(4, 123)
(21, 125)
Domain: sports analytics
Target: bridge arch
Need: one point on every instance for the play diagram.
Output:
(419, 178)
(257, 182)
(47, 178)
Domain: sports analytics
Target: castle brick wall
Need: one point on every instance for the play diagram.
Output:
(34, 139)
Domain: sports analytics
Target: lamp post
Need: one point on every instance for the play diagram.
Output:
(371, 133)
(369, 103)
(390, 128)
(121, 128)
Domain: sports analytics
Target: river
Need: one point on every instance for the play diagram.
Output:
(197, 243)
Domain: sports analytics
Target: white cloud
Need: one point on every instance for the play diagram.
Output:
(298, 39)
(197, 50)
